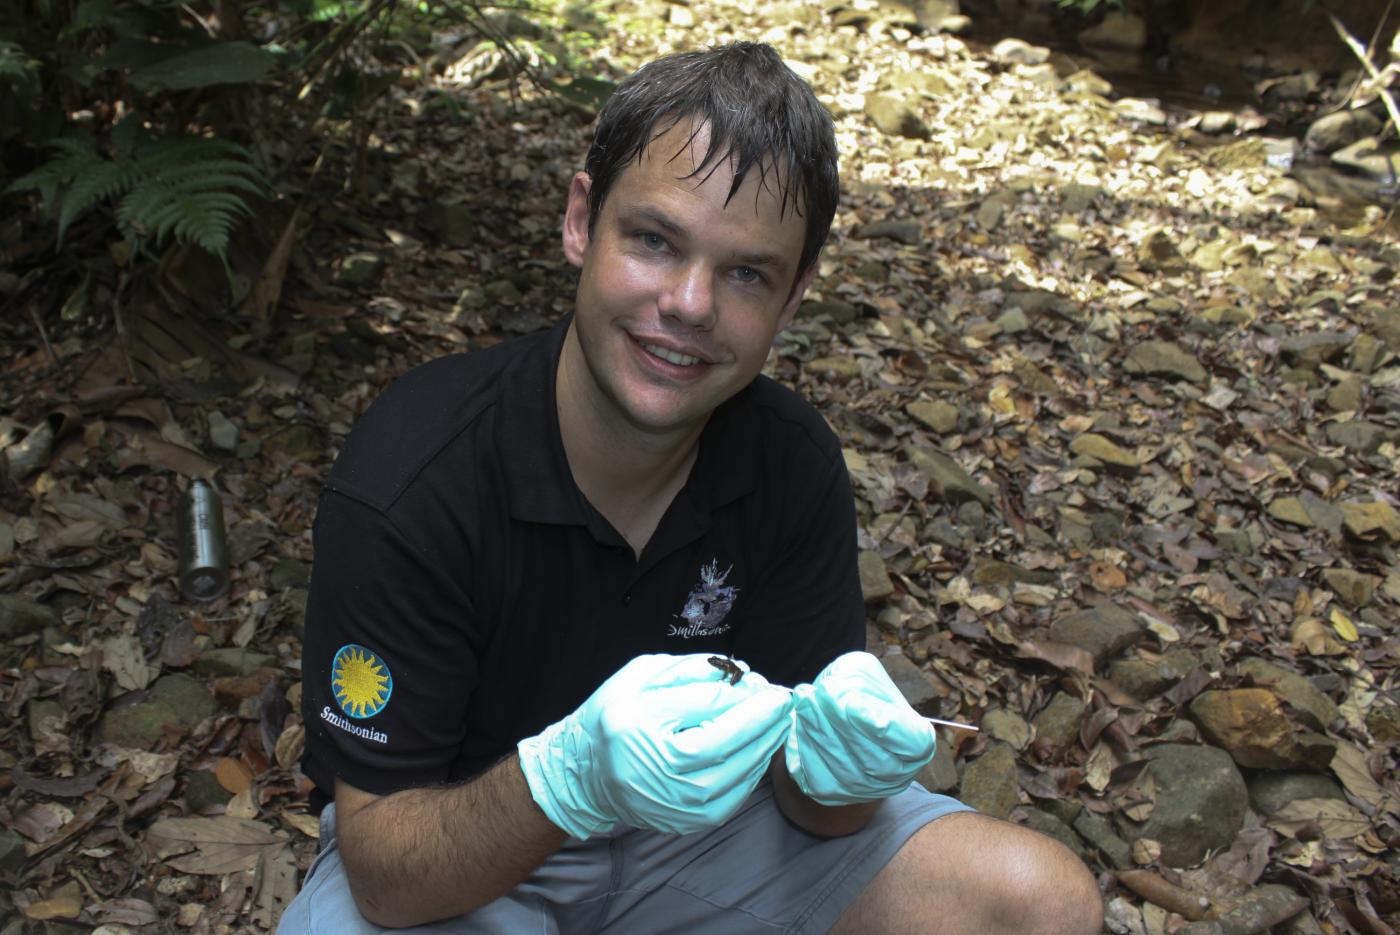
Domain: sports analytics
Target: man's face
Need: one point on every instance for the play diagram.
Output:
(679, 297)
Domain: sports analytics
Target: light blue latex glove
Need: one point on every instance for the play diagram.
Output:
(854, 738)
(665, 743)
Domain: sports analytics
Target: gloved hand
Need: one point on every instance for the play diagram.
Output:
(665, 743)
(854, 738)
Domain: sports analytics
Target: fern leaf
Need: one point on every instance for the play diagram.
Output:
(102, 179)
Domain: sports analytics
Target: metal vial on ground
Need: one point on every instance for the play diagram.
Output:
(203, 567)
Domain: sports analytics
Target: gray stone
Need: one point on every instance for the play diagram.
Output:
(1051, 826)
(1098, 831)
(1087, 82)
(842, 313)
(1316, 709)
(992, 572)
(875, 583)
(451, 224)
(174, 699)
(223, 434)
(1057, 724)
(913, 683)
(1106, 452)
(989, 783)
(948, 481)
(1163, 358)
(1013, 321)
(895, 117)
(1140, 111)
(1079, 197)
(1318, 347)
(940, 416)
(289, 573)
(1008, 727)
(299, 442)
(905, 232)
(503, 292)
(1271, 791)
(20, 617)
(1380, 162)
(1201, 802)
(45, 717)
(1119, 31)
(202, 791)
(1349, 394)
(941, 773)
(1216, 122)
(1354, 588)
(359, 269)
(1362, 437)
(930, 84)
(1387, 325)
(1019, 52)
(231, 660)
(11, 852)
(1104, 631)
(1145, 679)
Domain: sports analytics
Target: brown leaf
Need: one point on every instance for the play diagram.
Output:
(233, 775)
(211, 845)
(1059, 655)
(1106, 577)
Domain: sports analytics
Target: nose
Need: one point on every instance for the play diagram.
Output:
(689, 298)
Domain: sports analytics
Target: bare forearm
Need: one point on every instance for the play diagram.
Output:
(426, 854)
(823, 821)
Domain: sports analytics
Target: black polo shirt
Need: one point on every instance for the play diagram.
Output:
(465, 594)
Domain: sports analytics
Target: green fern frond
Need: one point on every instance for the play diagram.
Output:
(101, 180)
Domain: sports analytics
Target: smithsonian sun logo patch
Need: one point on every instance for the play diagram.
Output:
(361, 681)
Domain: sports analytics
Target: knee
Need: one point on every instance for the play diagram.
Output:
(1041, 886)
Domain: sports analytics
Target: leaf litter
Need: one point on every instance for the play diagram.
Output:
(1122, 421)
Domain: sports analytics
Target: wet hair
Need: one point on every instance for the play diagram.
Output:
(759, 114)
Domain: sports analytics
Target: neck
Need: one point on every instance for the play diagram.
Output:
(628, 473)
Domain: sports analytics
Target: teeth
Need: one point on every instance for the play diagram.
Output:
(680, 360)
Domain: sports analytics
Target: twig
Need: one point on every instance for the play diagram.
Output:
(43, 334)
(1360, 52)
(1158, 891)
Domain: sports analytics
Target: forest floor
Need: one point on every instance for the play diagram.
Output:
(1120, 401)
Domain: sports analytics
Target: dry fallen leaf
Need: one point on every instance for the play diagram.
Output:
(211, 845)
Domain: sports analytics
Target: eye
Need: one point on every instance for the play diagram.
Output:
(748, 275)
(652, 241)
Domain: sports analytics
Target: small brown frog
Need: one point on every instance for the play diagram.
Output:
(729, 667)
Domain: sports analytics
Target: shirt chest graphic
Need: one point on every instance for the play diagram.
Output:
(706, 606)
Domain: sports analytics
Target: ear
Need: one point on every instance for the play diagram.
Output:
(799, 289)
(576, 218)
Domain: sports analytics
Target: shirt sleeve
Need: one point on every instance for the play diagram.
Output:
(808, 609)
(390, 654)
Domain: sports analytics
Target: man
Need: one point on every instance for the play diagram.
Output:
(582, 651)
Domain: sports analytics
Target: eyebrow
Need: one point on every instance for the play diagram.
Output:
(765, 258)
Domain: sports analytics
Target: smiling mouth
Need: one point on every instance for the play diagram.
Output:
(670, 356)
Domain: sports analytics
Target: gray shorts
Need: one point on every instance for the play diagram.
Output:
(755, 873)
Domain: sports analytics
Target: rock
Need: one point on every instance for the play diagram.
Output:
(930, 84)
(1201, 802)
(1362, 437)
(1216, 122)
(1318, 347)
(1372, 520)
(989, 783)
(941, 773)
(940, 416)
(989, 213)
(957, 25)
(1158, 250)
(1383, 721)
(1145, 679)
(1048, 824)
(1119, 31)
(223, 434)
(1163, 358)
(1078, 197)
(991, 572)
(503, 292)
(1086, 82)
(1316, 709)
(875, 582)
(1387, 325)
(1349, 394)
(20, 617)
(296, 599)
(895, 117)
(1271, 791)
(1265, 901)
(174, 699)
(453, 224)
(1106, 452)
(289, 573)
(46, 717)
(905, 232)
(202, 791)
(298, 442)
(1057, 724)
(948, 481)
(1013, 321)
(1008, 727)
(1370, 158)
(1354, 588)
(839, 369)
(843, 313)
(1019, 52)
(1140, 111)
(1253, 727)
(231, 660)
(681, 17)
(1098, 831)
(12, 854)
(359, 269)
(1104, 631)
(913, 683)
